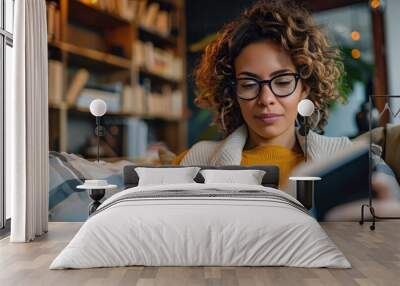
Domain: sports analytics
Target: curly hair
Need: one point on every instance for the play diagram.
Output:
(285, 23)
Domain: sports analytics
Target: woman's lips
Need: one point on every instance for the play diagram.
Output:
(269, 118)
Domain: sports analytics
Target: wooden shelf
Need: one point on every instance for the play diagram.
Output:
(158, 77)
(129, 114)
(92, 59)
(146, 34)
(91, 16)
(162, 117)
(58, 106)
(78, 110)
(166, 4)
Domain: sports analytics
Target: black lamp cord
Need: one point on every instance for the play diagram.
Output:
(98, 137)
(305, 139)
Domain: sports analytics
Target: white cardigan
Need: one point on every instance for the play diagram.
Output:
(229, 150)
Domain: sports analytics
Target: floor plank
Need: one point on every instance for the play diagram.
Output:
(374, 255)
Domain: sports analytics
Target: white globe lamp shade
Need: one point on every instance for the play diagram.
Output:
(305, 107)
(98, 107)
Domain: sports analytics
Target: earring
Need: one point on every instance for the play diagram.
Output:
(297, 123)
(318, 118)
(306, 109)
(222, 118)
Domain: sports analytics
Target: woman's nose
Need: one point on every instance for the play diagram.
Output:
(266, 96)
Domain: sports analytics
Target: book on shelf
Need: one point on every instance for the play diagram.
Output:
(138, 53)
(133, 100)
(121, 8)
(158, 61)
(78, 82)
(151, 15)
(152, 18)
(155, 104)
(87, 95)
(128, 9)
(128, 100)
(148, 54)
(136, 137)
(57, 25)
(141, 11)
(177, 103)
(55, 82)
(53, 21)
(162, 23)
(138, 100)
(165, 104)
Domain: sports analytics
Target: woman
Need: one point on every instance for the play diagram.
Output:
(253, 77)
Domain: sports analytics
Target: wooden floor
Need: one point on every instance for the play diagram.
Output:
(374, 255)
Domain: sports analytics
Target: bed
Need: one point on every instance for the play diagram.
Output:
(201, 224)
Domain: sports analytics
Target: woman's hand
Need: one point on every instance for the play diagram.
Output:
(382, 187)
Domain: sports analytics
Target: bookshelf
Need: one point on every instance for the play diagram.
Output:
(90, 58)
(136, 46)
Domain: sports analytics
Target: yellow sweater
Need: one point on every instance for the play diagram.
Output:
(282, 157)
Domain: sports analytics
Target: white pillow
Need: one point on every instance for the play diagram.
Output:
(163, 176)
(248, 177)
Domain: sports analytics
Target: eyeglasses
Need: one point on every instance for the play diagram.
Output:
(248, 88)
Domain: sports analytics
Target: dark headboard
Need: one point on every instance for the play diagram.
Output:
(270, 179)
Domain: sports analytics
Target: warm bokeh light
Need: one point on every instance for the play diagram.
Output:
(375, 4)
(355, 53)
(93, 2)
(355, 35)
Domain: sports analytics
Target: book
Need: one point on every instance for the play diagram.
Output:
(142, 11)
(138, 53)
(161, 24)
(151, 15)
(139, 100)
(344, 178)
(121, 6)
(156, 60)
(51, 10)
(127, 100)
(133, 100)
(87, 95)
(177, 103)
(133, 6)
(149, 58)
(127, 9)
(111, 6)
(136, 137)
(55, 82)
(57, 25)
(78, 82)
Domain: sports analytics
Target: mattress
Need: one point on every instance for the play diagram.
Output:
(201, 225)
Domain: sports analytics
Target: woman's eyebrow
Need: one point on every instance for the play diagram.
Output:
(271, 74)
(248, 74)
(279, 72)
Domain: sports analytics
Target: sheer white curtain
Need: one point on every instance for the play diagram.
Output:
(27, 124)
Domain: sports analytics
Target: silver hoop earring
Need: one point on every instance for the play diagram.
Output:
(222, 118)
(318, 118)
(297, 123)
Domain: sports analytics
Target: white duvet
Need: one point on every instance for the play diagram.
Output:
(188, 231)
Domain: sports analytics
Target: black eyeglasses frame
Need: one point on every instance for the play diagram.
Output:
(261, 83)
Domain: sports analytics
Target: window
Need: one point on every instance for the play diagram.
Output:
(6, 63)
